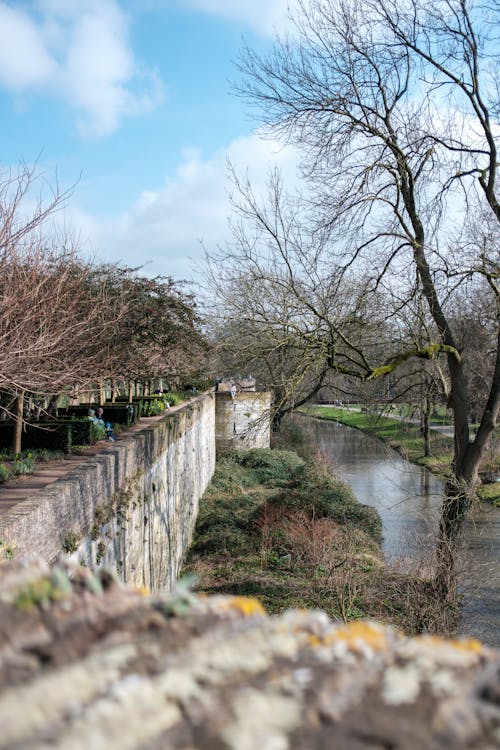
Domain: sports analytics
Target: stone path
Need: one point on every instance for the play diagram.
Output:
(25, 486)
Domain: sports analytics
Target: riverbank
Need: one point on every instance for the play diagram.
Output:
(407, 439)
(278, 526)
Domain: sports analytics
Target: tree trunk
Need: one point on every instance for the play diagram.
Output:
(52, 405)
(102, 393)
(18, 424)
(426, 429)
(130, 391)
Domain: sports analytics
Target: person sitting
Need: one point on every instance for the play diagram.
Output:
(106, 425)
(100, 424)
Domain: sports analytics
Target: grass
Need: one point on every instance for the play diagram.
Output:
(25, 462)
(408, 441)
(278, 526)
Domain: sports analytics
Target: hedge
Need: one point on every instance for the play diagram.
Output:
(114, 413)
(53, 435)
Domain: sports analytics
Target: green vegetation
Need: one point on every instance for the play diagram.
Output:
(407, 439)
(70, 542)
(23, 463)
(278, 526)
(59, 586)
(6, 551)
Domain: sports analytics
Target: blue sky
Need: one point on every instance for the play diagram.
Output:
(130, 100)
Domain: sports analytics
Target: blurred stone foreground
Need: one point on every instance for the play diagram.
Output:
(87, 663)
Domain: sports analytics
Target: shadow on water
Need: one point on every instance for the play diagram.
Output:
(408, 498)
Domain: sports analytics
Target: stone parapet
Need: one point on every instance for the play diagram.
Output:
(86, 663)
(132, 507)
(242, 420)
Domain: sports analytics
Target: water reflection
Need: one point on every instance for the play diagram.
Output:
(408, 499)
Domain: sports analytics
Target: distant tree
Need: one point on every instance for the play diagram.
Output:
(161, 332)
(283, 313)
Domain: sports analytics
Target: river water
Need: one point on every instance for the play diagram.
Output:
(408, 498)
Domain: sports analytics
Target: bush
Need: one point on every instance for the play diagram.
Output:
(322, 496)
(230, 477)
(49, 435)
(247, 484)
(223, 527)
(86, 432)
(152, 407)
(23, 466)
(56, 435)
(119, 413)
(172, 398)
(273, 468)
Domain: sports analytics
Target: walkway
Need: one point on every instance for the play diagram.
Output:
(23, 487)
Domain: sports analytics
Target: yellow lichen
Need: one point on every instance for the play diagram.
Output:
(462, 644)
(355, 635)
(246, 605)
(317, 640)
(468, 644)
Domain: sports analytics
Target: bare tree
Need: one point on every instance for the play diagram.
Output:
(279, 304)
(67, 323)
(394, 106)
(53, 317)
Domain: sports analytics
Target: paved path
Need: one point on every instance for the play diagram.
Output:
(23, 487)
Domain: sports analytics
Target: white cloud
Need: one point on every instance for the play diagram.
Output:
(79, 52)
(165, 226)
(24, 59)
(266, 16)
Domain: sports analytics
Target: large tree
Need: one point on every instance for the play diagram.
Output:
(394, 106)
(67, 323)
(47, 321)
(160, 336)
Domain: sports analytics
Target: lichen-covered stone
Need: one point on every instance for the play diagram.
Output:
(102, 666)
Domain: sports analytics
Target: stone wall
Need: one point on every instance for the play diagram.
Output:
(86, 663)
(132, 507)
(242, 421)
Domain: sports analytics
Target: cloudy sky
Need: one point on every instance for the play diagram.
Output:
(130, 100)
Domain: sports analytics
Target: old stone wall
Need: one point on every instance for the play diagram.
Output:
(86, 663)
(243, 420)
(133, 507)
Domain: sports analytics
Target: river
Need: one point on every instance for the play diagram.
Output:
(408, 498)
